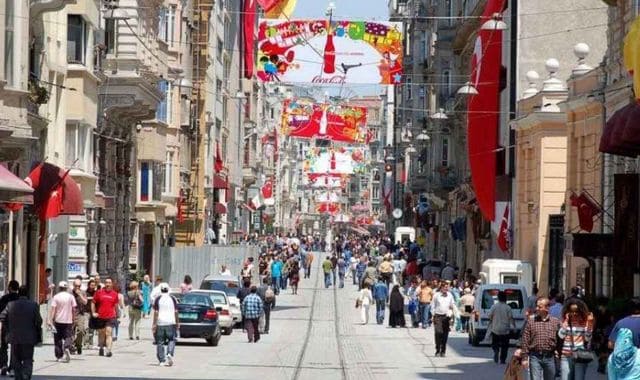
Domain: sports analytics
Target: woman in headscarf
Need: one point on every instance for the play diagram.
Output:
(624, 362)
(396, 308)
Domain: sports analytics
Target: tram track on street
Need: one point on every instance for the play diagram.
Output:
(303, 352)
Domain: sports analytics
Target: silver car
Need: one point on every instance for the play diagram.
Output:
(230, 286)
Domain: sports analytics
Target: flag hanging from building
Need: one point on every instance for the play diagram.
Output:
(278, 8)
(587, 210)
(502, 227)
(249, 32)
(218, 165)
(387, 189)
(55, 193)
(631, 55)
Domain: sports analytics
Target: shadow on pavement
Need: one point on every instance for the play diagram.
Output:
(282, 308)
(51, 377)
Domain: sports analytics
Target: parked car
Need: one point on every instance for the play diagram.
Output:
(487, 296)
(199, 318)
(221, 302)
(230, 286)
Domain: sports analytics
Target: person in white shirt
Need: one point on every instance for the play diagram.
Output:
(442, 309)
(224, 271)
(165, 325)
(60, 320)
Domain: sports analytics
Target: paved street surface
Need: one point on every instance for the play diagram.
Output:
(314, 335)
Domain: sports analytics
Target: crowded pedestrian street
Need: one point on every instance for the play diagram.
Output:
(316, 334)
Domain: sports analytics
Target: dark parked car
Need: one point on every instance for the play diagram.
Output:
(199, 318)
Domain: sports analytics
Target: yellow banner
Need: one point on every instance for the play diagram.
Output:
(284, 9)
(631, 54)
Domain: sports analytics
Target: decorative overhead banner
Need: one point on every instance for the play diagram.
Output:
(306, 119)
(323, 181)
(302, 51)
(278, 8)
(328, 208)
(327, 196)
(335, 160)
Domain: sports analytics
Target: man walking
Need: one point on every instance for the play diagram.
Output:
(539, 343)
(165, 325)
(342, 270)
(502, 321)
(103, 308)
(442, 307)
(268, 297)
(12, 295)
(424, 294)
(327, 268)
(61, 322)
(252, 308)
(80, 320)
(276, 273)
(23, 325)
(381, 296)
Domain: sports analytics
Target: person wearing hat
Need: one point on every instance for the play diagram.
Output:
(60, 320)
(165, 325)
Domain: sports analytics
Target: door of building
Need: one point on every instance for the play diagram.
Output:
(147, 254)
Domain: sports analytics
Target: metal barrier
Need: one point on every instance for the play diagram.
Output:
(198, 262)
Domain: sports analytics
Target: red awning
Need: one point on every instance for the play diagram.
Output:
(621, 134)
(219, 208)
(13, 189)
(219, 182)
(45, 178)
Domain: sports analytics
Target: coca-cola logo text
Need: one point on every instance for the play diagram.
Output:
(336, 79)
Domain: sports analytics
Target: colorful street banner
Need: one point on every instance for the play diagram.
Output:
(311, 51)
(279, 8)
(323, 181)
(327, 196)
(343, 160)
(328, 208)
(305, 119)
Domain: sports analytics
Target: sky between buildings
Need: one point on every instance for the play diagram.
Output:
(345, 9)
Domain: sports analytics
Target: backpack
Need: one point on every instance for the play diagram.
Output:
(135, 301)
(269, 294)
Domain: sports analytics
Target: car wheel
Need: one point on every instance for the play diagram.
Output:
(213, 341)
(228, 331)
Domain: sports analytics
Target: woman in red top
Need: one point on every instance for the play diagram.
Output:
(103, 309)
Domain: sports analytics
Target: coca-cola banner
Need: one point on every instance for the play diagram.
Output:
(337, 161)
(306, 119)
(312, 51)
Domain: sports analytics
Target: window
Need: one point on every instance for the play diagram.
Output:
(218, 89)
(446, 82)
(375, 194)
(161, 111)
(79, 143)
(409, 88)
(9, 52)
(167, 24)
(445, 151)
(168, 174)
(636, 7)
(77, 35)
(151, 178)
(219, 49)
(110, 35)
(450, 12)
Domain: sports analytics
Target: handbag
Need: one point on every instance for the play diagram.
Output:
(579, 356)
(358, 303)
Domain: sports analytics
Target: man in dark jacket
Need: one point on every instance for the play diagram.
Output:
(12, 295)
(23, 323)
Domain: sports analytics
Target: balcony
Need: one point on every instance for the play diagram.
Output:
(249, 175)
(40, 6)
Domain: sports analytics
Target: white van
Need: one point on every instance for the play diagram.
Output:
(487, 296)
(499, 271)
(405, 233)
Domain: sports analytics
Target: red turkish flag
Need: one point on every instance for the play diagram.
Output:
(218, 165)
(249, 32)
(587, 210)
(267, 190)
(503, 240)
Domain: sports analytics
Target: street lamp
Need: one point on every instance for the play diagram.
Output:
(423, 136)
(411, 149)
(388, 153)
(330, 9)
(440, 115)
(495, 23)
(467, 89)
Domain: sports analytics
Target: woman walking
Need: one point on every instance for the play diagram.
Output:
(146, 295)
(134, 297)
(396, 308)
(365, 299)
(294, 277)
(186, 285)
(575, 333)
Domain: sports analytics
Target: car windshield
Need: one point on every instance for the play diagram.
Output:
(514, 298)
(219, 299)
(230, 288)
(196, 299)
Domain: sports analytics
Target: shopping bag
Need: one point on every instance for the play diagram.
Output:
(514, 370)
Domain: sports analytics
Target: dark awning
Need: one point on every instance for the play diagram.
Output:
(621, 133)
(219, 208)
(14, 189)
(219, 182)
(593, 245)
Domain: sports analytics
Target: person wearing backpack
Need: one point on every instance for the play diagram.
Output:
(135, 301)
(268, 296)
